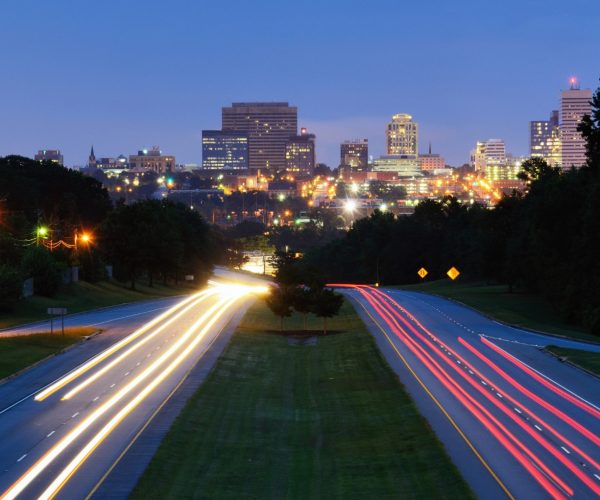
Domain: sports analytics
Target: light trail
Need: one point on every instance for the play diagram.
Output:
(88, 449)
(119, 345)
(37, 468)
(568, 464)
(136, 346)
(476, 409)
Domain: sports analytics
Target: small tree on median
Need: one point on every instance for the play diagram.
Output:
(326, 304)
(303, 301)
(279, 302)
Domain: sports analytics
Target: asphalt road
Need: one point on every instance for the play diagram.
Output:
(65, 422)
(516, 421)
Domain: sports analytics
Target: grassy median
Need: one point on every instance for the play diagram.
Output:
(22, 351)
(285, 417)
(519, 309)
(585, 359)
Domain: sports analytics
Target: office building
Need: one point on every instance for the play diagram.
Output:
(300, 154)
(430, 162)
(53, 155)
(487, 153)
(152, 159)
(354, 155)
(224, 150)
(574, 104)
(269, 126)
(402, 136)
(401, 165)
(544, 140)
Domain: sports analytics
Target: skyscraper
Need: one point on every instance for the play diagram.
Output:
(544, 140)
(224, 150)
(402, 136)
(269, 126)
(574, 103)
(488, 153)
(354, 155)
(300, 154)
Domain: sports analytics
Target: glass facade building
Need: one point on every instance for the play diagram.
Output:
(224, 150)
(300, 154)
(354, 155)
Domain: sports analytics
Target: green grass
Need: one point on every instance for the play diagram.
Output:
(519, 309)
(84, 296)
(20, 352)
(275, 420)
(585, 359)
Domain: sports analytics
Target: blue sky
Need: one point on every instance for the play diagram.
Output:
(124, 75)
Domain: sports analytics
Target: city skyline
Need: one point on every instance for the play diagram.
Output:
(94, 91)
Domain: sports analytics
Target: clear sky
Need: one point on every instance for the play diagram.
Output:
(129, 74)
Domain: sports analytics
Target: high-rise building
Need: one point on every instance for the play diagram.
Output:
(544, 140)
(224, 150)
(300, 154)
(354, 155)
(152, 160)
(402, 136)
(53, 155)
(488, 153)
(269, 126)
(574, 104)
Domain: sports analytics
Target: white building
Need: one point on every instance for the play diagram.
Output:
(402, 165)
(574, 103)
(402, 136)
(487, 153)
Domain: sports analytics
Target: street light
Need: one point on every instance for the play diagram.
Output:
(42, 232)
(350, 205)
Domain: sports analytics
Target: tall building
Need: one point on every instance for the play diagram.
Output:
(574, 103)
(544, 140)
(269, 126)
(488, 153)
(402, 136)
(354, 155)
(53, 155)
(224, 150)
(152, 160)
(300, 154)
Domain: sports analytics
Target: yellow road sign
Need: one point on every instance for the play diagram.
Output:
(422, 272)
(453, 273)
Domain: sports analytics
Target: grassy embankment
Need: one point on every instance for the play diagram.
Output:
(84, 296)
(519, 309)
(588, 360)
(20, 352)
(282, 419)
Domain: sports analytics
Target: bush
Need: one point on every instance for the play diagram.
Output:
(41, 266)
(11, 287)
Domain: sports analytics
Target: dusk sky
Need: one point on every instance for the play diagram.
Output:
(124, 75)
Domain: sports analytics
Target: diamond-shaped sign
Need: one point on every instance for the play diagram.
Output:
(453, 273)
(422, 272)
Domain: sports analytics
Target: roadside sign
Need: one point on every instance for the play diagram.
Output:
(189, 277)
(453, 273)
(57, 311)
(422, 272)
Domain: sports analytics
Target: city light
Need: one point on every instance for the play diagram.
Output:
(350, 205)
(42, 231)
(86, 238)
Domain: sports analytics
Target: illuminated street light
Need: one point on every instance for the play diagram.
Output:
(383, 207)
(350, 205)
(42, 232)
(86, 238)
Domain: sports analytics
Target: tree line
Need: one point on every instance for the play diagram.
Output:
(544, 240)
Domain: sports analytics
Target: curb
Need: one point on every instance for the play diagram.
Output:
(505, 323)
(565, 360)
(39, 362)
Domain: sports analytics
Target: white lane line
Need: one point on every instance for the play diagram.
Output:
(597, 477)
(75, 414)
(138, 363)
(483, 382)
(50, 434)
(518, 411)
(537, 427)
(499, 395)
(565, 450)
(470, 372)
(112, 386)
(127, 373)
(22, 457)
(96, 398)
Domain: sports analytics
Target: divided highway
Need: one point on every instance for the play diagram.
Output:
(515, 420)
(61, 439)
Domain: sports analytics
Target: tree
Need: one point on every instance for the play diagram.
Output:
(11, 287)
(303, 301)
(536, 169)
(326, 304)
(41, 266)
(589, 126)
(279, 302)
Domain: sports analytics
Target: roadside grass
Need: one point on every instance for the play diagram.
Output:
(283, 419)
(519, 309)
(83, 296)
(22, 351)
(585, 359)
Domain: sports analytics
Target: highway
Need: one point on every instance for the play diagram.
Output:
(65, 422)
(516, 421)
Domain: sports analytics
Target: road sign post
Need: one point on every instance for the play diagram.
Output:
(453, 273)
(57, 311)
(422, 273)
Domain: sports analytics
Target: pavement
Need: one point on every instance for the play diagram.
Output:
(69, 420)
(515, 420)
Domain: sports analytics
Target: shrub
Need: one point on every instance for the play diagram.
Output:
(41, 266)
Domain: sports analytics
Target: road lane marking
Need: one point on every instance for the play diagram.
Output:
(565, 450)
(597, 477)
(96, 398)
(127, 373)
(50, 434)
(22, 457)
(75, 414)
(112, 386)
(518, 411)
(537, 427)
